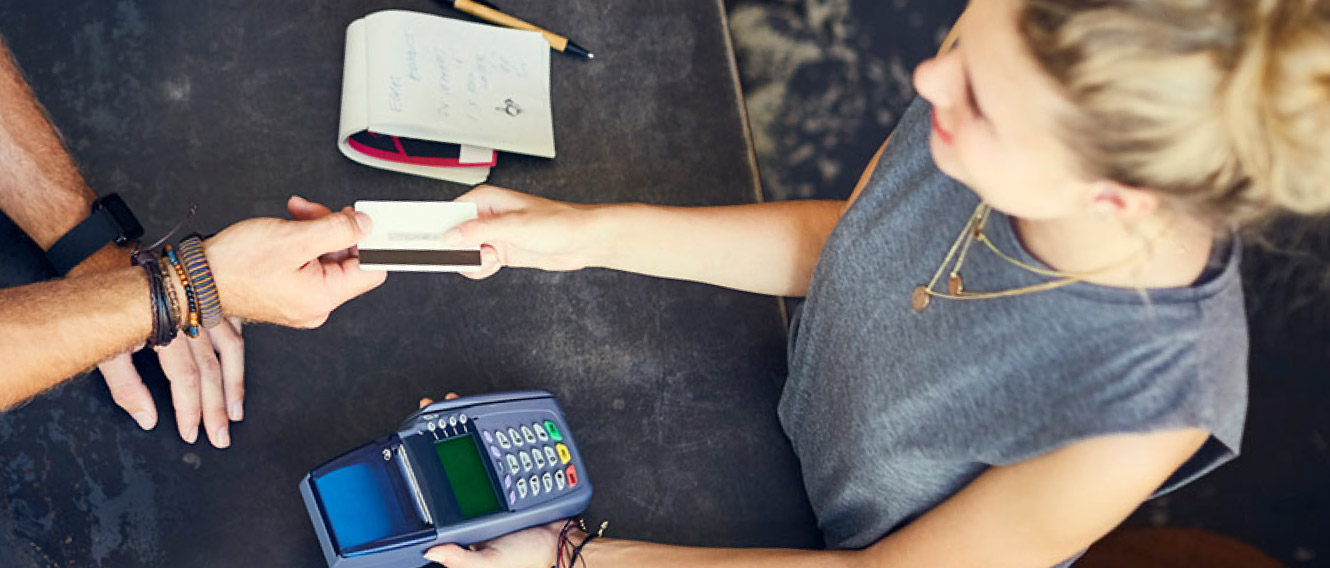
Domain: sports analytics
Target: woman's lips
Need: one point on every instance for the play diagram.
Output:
(942, 135)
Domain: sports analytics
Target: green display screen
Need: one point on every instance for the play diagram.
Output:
(465, 468)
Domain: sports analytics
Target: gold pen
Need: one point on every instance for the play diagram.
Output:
(489, 13)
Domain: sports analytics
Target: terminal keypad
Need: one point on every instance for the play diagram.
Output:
(535, 455)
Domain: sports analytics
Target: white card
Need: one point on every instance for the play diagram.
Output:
(408, 236)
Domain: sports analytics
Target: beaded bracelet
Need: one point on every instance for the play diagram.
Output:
(167, 276)
(200, 276)
(192, 322)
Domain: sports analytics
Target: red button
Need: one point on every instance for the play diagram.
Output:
(571, 474)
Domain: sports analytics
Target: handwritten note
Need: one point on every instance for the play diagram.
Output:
(436, 78)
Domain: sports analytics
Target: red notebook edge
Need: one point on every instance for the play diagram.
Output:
(420, 161)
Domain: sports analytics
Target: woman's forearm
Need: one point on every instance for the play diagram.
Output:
(766, 248)
(612, 553)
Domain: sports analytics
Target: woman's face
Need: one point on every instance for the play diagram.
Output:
(994, 114)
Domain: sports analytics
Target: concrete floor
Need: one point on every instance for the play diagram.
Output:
(825, 81)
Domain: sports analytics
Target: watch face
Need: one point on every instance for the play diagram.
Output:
(130, 229)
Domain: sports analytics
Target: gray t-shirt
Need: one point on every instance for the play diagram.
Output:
(891, 411)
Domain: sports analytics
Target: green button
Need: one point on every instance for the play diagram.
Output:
(553, 431)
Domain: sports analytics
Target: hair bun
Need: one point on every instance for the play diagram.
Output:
(1279, 106)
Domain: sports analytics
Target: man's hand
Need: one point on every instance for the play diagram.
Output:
(207, 375)
(291, 273)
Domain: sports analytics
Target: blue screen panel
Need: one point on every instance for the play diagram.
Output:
(359, 502)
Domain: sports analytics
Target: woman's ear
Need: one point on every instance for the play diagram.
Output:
(1125, 203)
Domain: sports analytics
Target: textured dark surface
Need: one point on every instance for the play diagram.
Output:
(670, 386)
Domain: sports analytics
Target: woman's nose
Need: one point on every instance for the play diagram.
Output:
(936, 83)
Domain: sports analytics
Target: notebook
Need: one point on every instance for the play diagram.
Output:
(436, 97)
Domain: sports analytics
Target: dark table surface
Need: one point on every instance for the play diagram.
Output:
(670, 387)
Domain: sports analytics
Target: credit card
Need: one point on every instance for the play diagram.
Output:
(408, 236)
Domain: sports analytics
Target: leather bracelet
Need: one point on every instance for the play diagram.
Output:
(163, 329)
(200, 276)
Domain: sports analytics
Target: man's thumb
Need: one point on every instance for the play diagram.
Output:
(333, 232)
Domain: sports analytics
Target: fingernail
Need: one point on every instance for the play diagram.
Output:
(223, 437)
(434, 556)
(189, 436)
(364, 222)
(145, 420)
(452, 237)
(237, 411)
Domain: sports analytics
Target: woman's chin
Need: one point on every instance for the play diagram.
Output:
(946, 163)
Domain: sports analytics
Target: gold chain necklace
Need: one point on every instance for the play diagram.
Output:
(974, 231)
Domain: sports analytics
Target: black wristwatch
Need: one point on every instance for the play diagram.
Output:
(111, 222)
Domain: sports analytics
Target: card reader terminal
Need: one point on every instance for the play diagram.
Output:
(458, 471)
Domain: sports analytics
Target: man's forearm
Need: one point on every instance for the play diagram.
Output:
(53, 330)
(767, 248)
(40, 189)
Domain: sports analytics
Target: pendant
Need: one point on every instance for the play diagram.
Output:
(920, 299)
(954, 285)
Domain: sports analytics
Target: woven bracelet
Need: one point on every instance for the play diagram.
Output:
(200, 276)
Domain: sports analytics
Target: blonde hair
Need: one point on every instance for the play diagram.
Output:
(1222, 106)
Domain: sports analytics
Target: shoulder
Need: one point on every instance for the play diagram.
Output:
(907, 143)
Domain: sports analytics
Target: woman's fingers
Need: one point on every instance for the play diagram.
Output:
(128, 390)
(428, 401)
(489, 264)
(230, 346)
(178, 365)
(212, 394)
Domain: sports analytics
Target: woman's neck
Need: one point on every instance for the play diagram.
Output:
(1157, 252)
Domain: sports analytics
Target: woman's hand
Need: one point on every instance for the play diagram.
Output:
(529, 548)
(525, 231)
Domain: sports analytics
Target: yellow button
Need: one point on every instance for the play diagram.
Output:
(563, 453)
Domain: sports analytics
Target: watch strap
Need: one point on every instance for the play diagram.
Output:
(83, 241)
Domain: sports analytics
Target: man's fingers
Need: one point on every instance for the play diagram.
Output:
(302, 209)
(211, 392)
(128, 390)
(354, 281)
(178, 365)
(451, 396)
(231, 353)
(330, 233)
